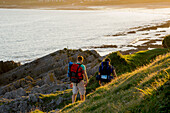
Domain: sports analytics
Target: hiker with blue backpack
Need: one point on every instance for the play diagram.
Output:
(77, 74)
(105, 72)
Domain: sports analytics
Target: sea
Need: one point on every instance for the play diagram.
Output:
(28, 34)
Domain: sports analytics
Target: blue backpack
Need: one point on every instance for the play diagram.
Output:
(69, 65)
(105, 71)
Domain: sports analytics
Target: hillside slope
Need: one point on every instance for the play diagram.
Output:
(56, 99)
(122, 63)
(144, 90)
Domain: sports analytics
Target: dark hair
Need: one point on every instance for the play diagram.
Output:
(107, 59)
(80, 58)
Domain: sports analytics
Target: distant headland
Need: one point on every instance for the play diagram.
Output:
(83, 4)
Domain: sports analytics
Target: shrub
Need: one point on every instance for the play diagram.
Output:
(166, 41)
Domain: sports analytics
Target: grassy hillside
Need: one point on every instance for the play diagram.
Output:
(128, 63)
(146, 89)
(123, 64)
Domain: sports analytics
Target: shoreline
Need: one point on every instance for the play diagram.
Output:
(147, 43)
(156, 5)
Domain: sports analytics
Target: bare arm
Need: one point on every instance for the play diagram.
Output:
(86, 77)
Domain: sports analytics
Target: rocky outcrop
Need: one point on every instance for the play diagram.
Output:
(15, 94)
(20, 105)
(7, 66)
(46, 89)
(50, 78)
(56, 63)
(20, 89)
(25, 104)
(21, 83)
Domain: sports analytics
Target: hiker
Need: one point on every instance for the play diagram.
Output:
(105, 71)
(77, 74)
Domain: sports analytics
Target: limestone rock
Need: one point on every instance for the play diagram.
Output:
(59, 100)
(36, 89)
(32, 98)
(16, 85)
(15, 94)
(50, 78)
(42, 89)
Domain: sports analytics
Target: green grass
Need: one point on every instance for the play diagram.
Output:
(145, 89)
(127, 63)
(123, 64)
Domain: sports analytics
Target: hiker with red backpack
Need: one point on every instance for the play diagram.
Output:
(105, 72)
(77, 74)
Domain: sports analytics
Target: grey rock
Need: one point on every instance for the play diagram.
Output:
(50, 78)
(90, 58)
(15, 94)
(52, 102)
(95, 53)
(23, 106)
(36, 90)
(59, 100)
(44, 88)
(40, 82)
(21, 92)
(32, 98)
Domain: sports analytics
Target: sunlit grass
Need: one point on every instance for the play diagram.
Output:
(129, 86)
(131, 92)
(37, 111)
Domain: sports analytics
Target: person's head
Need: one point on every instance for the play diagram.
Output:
(107, 60)
(80, 59)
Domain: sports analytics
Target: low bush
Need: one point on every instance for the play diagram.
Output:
(166, 42)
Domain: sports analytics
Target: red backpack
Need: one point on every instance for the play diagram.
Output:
(75, 73)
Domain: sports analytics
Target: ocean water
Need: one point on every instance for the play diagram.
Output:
(27, 34)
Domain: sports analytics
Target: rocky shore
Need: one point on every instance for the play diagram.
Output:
(148, 37)
(23, 85)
